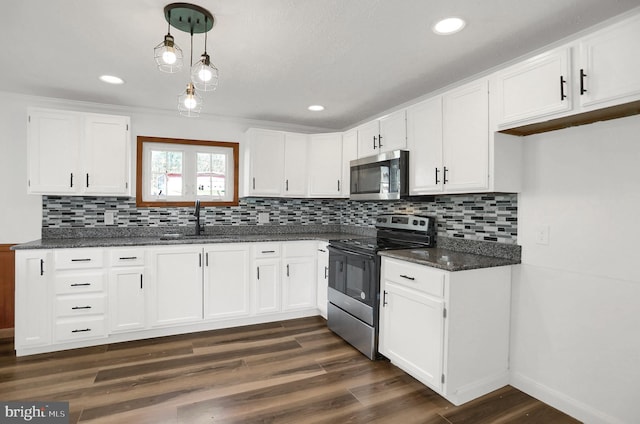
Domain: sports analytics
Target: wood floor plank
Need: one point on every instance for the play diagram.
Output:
(294, 371)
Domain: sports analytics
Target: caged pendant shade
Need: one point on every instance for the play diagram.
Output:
(190, 102)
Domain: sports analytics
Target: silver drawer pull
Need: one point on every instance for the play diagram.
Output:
(80, 284)
(81, 260)
(268, 251)
(407, 277)
(128, 258)
(81, 307)
(84, 330)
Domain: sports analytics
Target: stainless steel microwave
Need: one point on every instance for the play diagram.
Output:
(381, 177)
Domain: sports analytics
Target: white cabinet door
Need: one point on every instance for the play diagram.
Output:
(538, 87)
(53, 152)
(34, 297)
(368, 139)
(424, 141)
(412, 332)
(226, 281)
(127, 310)
(466, 138)
(266, 162)
(349, 153)
(175, 285)
(609, 62)
(299, 283)
(393, 132)
(325, 165)
(322, 278)
(295, 165)
(267, 285)
(106, 155)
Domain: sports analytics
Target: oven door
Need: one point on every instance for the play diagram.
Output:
(354, 283)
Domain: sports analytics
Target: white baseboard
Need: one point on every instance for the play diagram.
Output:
(561, 401)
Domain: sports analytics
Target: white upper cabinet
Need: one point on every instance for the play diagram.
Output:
(349, 153)
(265, 149)
(295, 165)
(450, 148)
(465, 133)
(383, 135)
(609, 64)
(106, 154)
(74, 153)
(325, 165)
(535, 88)
(424, 141)
(596, 71)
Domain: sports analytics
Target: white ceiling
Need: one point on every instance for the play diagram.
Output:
(358, 58)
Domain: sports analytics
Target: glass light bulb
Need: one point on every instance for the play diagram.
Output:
(205, 74)
(169, 56)
(190, 102)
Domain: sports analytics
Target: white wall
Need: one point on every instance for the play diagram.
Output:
(21, 214)
(576, 301)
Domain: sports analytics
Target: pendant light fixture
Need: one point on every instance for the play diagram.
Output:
(167, 54)
(204, 76)
(190, 102)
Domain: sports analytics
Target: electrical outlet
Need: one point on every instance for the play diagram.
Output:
(542, 234)
(109, 218)
(263, 217)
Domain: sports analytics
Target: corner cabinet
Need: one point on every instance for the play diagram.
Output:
(449, 330)
(75, 153)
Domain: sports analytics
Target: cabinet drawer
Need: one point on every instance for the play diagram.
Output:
(129, 257)
(69, 306)
(78, 258)
(418, 277)
(80, 282)
(266, 250)
(80, 328)
(300, 248)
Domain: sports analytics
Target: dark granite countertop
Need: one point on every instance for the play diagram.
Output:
(448, 260)
(63, 243)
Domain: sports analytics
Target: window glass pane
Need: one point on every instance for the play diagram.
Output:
(166, 173)
(211, 174)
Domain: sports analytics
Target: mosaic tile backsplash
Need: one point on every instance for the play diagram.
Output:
(489, 217)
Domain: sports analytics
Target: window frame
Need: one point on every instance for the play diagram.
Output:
(140, 171)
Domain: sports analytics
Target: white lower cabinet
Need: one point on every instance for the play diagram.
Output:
(68, 298)
(127, 300)
(79, 307)
(227, 281)
(299, 279)
(175, 286)
(34, 269)
(267, 287)
(322, 278)
(449, 330)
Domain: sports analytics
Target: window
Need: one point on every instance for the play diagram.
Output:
(176, 172)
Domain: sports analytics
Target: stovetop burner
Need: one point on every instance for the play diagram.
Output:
(393, 232)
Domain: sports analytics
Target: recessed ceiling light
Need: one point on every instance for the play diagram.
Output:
(110, 79)
(316, 108)
(449, 26)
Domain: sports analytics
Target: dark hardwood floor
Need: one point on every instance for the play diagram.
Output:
(285, 372)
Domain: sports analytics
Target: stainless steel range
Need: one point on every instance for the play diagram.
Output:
(354, 276)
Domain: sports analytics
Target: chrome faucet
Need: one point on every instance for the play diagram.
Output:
(196, 213)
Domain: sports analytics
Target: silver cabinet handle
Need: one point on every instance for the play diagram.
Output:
(407, 277)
